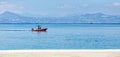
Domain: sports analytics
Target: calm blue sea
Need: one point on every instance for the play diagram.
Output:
(60, 36)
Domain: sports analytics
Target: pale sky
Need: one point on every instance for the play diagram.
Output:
(60, 7)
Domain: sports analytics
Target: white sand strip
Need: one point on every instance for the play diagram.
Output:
(60, 54)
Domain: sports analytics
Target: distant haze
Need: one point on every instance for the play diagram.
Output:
(60, 7)
(10, 17)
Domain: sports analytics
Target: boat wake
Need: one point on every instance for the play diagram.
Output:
(14, 30)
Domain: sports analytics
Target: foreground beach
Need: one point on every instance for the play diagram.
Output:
(61, 54)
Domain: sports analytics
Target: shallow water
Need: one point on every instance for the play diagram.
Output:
(60, 36)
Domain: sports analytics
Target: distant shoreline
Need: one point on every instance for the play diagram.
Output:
(59, 23)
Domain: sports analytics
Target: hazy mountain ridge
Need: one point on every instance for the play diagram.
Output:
(9, 17)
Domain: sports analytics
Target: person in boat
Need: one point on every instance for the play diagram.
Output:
(32, 29)
(39, 27)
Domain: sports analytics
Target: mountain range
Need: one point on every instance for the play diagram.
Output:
(9, 17)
